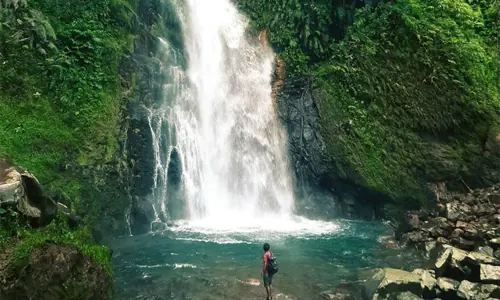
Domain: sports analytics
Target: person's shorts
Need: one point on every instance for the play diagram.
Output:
(268, 279)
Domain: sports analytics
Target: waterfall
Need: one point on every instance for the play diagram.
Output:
(221, 123)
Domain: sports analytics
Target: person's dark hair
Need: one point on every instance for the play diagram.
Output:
(266, 247)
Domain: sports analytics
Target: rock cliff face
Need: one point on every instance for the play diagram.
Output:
(386, 124)
(145, 73)
(322, 188)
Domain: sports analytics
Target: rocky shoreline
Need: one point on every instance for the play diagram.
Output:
(460, 239)
(466, 221)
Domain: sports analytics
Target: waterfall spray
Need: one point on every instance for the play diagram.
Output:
(222, 123)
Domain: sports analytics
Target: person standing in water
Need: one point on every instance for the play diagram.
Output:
(269, 268)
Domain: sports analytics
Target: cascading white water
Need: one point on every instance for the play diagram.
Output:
(223, 123)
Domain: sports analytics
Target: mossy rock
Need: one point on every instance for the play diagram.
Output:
(411, 97)
(54, 271)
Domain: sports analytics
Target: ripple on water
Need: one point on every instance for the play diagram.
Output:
(224, 264)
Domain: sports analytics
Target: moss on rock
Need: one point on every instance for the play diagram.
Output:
(409, 95)
(53, 262)
(54, 271)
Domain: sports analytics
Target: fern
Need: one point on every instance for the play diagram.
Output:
(13, 4)
(301, 30)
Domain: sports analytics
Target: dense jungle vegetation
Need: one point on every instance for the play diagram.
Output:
(61, 104)
(60, 90)
(407, 90)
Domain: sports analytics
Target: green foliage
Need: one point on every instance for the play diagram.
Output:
(25, 239)
(303, 32)
(407, 96)
(410, 95)
(58, 231)
(60, 90)
(8, 226)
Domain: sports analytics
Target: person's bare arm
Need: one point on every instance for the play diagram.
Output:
(264, 267)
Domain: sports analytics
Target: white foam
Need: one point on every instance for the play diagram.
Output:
(153, 266)
(216, 230)
(250, 281)
(217, 240)
(180, 266)
(175, 266)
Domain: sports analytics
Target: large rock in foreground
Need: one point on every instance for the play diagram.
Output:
(54, 272)
(476, 291)
(389, 281)
(455, 274)
(20, 190)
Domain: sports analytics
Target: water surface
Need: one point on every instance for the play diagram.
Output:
(194, 262)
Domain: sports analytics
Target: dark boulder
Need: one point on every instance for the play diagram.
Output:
(495, 218)
(37, 198)
(463, 243)
(74, 221)
(457, 233)
(438, 227)
(494, 198)
(416, 238)
(442, 241)
(409, 223)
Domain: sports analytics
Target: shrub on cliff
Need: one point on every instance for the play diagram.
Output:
(302, 32)
(411, 96)
(61, 94)
(408, 95)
